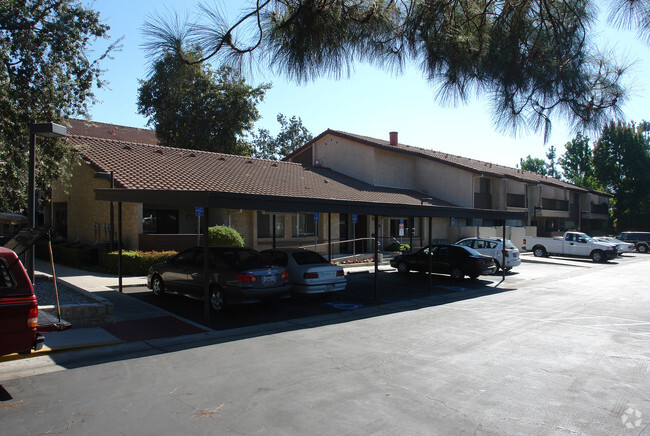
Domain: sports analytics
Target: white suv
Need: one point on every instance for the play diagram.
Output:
(493, 247)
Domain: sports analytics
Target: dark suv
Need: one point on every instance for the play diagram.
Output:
(640, 239)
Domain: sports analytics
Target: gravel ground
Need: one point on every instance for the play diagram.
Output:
(44, 290)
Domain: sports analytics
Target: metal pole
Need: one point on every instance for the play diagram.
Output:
(376, 255)
(112, 218)
(206, 269)
(119, 244)
(430, 256)
(411, 230)
(31, 203)
(329, 236)
(56, 289)
(273, 231)
(503, 252)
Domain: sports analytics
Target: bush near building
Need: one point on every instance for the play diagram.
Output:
(135, 263)
(224, 236)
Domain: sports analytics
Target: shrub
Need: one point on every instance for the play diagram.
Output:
(135, 263)
(224, 236)
(396, 246)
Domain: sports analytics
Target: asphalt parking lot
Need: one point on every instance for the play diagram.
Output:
(360, 292)
(561, 347)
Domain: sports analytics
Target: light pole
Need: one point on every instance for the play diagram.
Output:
(109, 176)
(48, 130)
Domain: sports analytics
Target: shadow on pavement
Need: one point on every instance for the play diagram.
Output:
(151, 322)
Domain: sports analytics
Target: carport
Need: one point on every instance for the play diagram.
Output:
(286, 204)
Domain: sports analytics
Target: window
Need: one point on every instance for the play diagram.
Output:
(484, 186)
(160, 221)
(6, 279)
(265, 225)
(302, 224)
(308, 257)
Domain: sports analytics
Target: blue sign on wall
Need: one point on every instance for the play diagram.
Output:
(354, 218)
(316, 217)
(199, 210)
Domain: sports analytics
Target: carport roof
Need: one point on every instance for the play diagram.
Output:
(149, 173)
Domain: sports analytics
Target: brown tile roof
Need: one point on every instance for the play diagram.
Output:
(144, 166)
(473, 165)
(94, 129)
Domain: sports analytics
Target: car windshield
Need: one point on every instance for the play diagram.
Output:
(471, 251)
(308, 257)
(243, 258)
(510, 245)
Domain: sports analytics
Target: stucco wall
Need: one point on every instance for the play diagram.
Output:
(349, 158)
(444, 182)
(88, 218)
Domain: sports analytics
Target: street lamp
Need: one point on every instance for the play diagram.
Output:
(109, 176)
(48, 130)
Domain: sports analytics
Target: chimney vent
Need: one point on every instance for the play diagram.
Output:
(393, 139)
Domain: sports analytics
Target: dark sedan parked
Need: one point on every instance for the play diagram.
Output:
(237, 275)
(455, 260)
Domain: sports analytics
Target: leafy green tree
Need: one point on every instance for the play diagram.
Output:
(622, 166)
(576, 162)
(46, 74)
(534, 58)
(533, 164)
(292, 136)
(191, 106)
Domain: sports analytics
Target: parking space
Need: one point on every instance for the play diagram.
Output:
(393, 287)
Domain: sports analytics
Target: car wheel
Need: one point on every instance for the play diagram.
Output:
(597, 256)
(217, 301)
(539, 252)
(402, 268)
(496, 262)
(642, 248)
(157, 286)
(457, 274)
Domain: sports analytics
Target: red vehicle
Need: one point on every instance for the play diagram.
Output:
(18, 307)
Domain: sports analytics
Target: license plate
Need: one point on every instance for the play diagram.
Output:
(268, 280)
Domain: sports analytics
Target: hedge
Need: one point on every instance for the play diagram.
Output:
(396, 246)
(135, 263)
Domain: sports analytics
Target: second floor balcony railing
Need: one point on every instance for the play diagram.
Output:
(482, 201)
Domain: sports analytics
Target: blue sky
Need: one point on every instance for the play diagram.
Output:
(370, 102)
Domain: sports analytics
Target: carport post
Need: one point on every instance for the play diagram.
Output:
(430, 257)
(119, 245)
(273, 231)
(206, 268)
(411, 230)
(376, 255)
(503, 252)
(329, 236)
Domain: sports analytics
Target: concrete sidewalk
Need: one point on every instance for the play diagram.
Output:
(130, 313)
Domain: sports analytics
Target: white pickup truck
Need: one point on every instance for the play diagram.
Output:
(571, 244)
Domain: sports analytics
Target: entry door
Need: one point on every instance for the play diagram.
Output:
(343, 233)
(362, 232)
